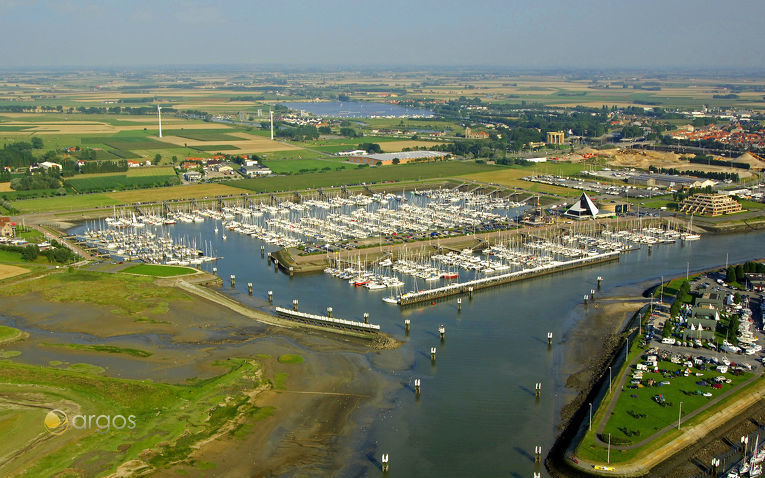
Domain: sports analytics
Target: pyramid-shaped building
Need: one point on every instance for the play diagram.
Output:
(583, 208)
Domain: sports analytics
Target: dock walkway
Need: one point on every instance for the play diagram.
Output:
(467, 287)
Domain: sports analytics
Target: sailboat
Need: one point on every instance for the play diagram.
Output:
(690, 236)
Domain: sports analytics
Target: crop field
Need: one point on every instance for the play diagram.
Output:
(127, 142)
(403, 172)
(121, 181)
(244, 142)
(203, 135)
(215, 147)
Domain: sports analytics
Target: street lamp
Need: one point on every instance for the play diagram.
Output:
(608, 457)
(590, 416)
(680, 414)
(609, 379)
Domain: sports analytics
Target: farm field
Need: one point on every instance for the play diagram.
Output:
(244, 142)
(202, 135)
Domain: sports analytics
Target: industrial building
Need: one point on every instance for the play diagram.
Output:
(709, 204)
(403, 157)
(669, 180)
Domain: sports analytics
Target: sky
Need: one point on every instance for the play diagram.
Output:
(546, 34)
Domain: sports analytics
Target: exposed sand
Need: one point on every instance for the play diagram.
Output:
(661, 159)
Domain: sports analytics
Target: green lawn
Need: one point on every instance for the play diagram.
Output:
(637, 416)
(159, 270)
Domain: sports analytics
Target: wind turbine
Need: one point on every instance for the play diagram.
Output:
(159, 115)
(272, 125)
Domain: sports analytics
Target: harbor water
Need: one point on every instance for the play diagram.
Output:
(477, 414)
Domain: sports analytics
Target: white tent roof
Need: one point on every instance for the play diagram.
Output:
(583, 207)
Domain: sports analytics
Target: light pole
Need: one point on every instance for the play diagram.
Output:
(661, 296)
(590, 416)
(608, 457)
(679, 415)
(609, 379)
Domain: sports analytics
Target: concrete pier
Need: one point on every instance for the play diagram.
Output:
(471, 286)
(325, 321)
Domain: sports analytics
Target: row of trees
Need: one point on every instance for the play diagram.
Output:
(720, 176)
(736, 273)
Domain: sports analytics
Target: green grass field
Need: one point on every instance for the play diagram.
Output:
(120, 181)
(159, 270)
(85, 201)
(414, 171)
(291, 166)
(127, 295)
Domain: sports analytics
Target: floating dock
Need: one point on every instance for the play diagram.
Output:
(324, 321)
(474, 285)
